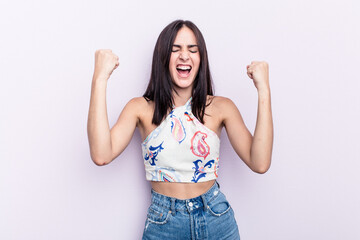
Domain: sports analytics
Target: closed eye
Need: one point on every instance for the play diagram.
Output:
(175, 48)
(193, 48)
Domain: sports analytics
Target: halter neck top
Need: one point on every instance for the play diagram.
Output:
(181, 149)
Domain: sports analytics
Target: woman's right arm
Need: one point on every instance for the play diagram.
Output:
(106, 144)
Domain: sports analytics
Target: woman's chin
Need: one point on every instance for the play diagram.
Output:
(183, 84)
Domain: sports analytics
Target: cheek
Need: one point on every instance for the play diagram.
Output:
(197, 60)
(172, 58)
(197, 63)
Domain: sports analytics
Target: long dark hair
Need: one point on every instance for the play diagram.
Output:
(161, 86)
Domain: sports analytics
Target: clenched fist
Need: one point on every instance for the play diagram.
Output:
(259, 73)
(105, 63)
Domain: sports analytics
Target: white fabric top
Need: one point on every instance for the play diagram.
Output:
(181, 149)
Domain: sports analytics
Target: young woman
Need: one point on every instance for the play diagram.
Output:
(180, 122)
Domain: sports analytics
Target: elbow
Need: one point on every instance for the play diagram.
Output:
(261, 169)
(100, 161)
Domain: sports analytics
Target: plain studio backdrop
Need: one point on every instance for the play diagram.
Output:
(51, 189)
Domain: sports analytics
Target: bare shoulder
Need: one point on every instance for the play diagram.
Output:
(144, 110)
(221, 103)
(138, 104)
(224, 107)
(134, 108)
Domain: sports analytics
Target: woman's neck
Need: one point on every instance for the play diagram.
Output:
(181, 97)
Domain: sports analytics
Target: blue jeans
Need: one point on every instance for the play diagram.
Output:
(208, 216)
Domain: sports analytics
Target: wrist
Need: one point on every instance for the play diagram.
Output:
(99, 83)
(264, 90)
(100, 78)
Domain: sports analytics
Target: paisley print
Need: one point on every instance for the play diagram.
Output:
(165, 175)
(181, 149)
(189, 118)
(177, 128)
(216, 167)
(152, 135)
(200, 170)
(198, 145)
(152, 154)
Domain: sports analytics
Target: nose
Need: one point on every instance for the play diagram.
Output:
(184, 56)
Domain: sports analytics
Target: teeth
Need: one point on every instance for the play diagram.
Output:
(184, 67)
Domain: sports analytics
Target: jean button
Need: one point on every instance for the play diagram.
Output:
(190, 204)
(215, 192)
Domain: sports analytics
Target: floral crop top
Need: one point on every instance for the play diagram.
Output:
(181, 149)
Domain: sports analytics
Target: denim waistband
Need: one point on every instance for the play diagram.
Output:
(175, 204)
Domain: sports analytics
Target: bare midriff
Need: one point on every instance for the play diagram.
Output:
(182, 190)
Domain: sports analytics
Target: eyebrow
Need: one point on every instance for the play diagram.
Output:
(189, 46)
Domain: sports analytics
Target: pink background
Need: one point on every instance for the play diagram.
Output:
(49, 187)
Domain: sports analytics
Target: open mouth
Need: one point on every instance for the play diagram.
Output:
(183, 70)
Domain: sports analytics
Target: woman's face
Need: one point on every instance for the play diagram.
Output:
(185, 59)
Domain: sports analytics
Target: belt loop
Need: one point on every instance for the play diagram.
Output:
(173, 206)
(204, 202)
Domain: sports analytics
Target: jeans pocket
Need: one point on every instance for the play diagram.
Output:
(219, 205)
(158, 215)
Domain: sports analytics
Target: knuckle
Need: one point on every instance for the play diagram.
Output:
(102, 52)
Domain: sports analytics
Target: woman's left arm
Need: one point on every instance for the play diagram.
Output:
(262, 144)
(255, 150)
